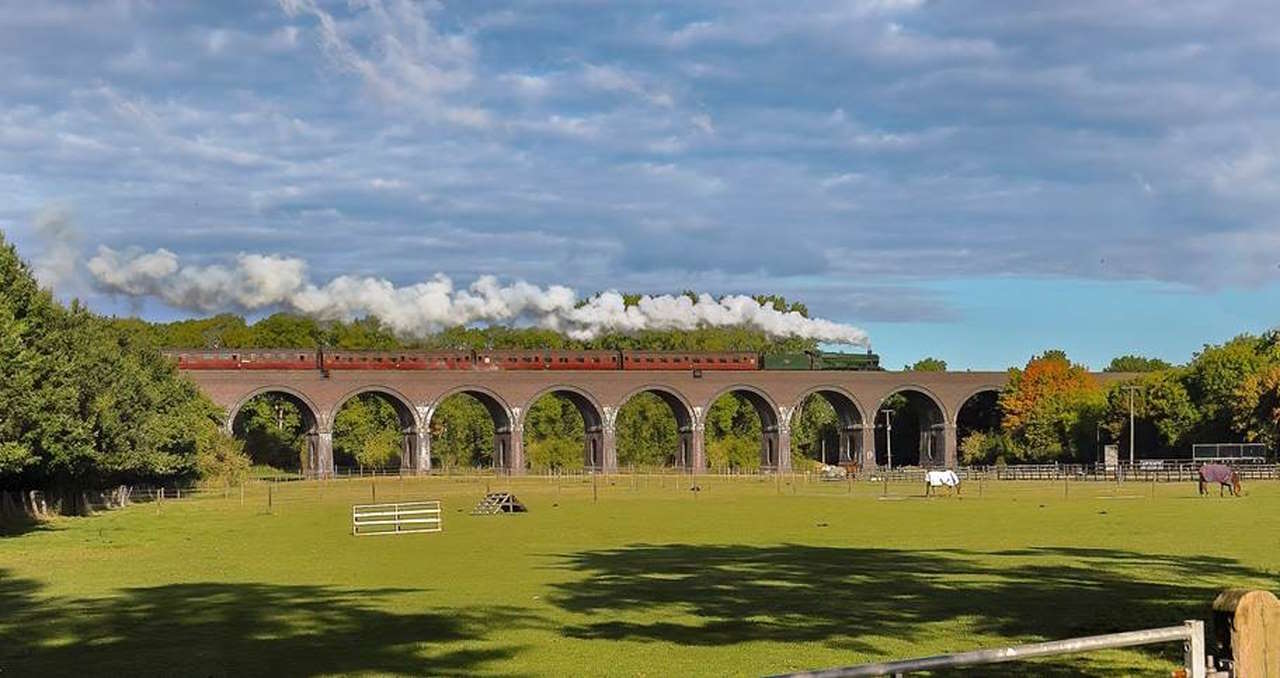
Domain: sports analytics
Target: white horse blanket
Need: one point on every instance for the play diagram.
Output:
(940, 478)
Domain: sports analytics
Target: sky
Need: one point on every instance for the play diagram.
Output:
(974, 181)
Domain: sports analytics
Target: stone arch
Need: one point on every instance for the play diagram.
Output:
(933, 423)
(850, 419)
(775, 425)
(689, 454)
(595, 456)
(508, 448)
(415, 448)
(319, 458)
(980, 390)
(311, 413)
(978, 411)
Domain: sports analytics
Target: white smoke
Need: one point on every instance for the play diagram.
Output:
(55, 266)
(263, 281)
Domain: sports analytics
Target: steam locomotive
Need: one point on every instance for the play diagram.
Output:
(493, 360)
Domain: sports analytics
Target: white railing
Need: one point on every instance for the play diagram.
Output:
(402, 518)
(1190, 632)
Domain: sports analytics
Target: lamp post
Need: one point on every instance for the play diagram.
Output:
(1131, 388)
(888, 437)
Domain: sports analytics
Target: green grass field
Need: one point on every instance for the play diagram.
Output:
(745, 577)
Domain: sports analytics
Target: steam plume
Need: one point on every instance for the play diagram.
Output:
(262, 281)
(56, 265)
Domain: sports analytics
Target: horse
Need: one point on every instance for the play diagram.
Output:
(1221, 474)
(946, 477)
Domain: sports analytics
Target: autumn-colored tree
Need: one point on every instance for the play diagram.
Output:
(1050, 408)
(1256, 410)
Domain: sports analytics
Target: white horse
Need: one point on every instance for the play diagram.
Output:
(945, 477)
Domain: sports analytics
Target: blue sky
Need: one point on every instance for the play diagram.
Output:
(977, 181)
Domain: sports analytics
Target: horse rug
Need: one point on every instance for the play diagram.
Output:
(940, 478)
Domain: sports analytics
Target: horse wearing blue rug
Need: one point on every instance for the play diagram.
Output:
(1221, 474)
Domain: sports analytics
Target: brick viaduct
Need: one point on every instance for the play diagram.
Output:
(776, 395)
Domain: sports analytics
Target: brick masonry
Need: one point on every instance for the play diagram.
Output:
(777, 396)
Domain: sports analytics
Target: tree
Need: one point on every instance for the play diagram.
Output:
(816, 431)
(273, 430)
(462, 433)
(1164, 414)
(733, 452)
(86, 401)
(554, 454)
(928, 365)
(1050, 408)
(1256, 411)
(1136, 363)
(367, 432)
(646, 432)
(286, 330)
(1215, 379)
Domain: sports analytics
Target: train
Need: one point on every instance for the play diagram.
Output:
(507, 360)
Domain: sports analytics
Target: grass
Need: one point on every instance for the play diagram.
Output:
(744, 577)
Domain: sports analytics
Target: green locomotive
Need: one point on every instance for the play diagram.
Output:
(820, 360)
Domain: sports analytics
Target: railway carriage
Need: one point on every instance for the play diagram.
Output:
(515, 360)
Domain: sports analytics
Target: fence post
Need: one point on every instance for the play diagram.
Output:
(1195, 660)
(270, 498)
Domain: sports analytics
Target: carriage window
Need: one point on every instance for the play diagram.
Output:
(564, 360)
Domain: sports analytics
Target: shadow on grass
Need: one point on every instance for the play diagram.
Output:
(854, 599)
(212, 629)
(18, 525)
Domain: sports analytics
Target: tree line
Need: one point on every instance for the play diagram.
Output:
(1053, 410)
(86, 402)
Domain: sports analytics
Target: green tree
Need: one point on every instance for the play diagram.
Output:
(462, 433)
(928, 365)
(816, 430)
(554, 454)
(286, 330)
(1163, 412)
(1136, 363)
(87, 401)
(367, 432)
(1216, 377)
(273, 430)
(734, 452)
(646, 432)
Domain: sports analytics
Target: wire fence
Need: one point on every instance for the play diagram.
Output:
(270, 493)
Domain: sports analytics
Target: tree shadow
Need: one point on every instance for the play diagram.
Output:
(18, 525)
(854, 599)
(214, 629)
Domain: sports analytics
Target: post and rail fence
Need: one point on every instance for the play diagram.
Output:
(1191, 633)
(398, 518)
